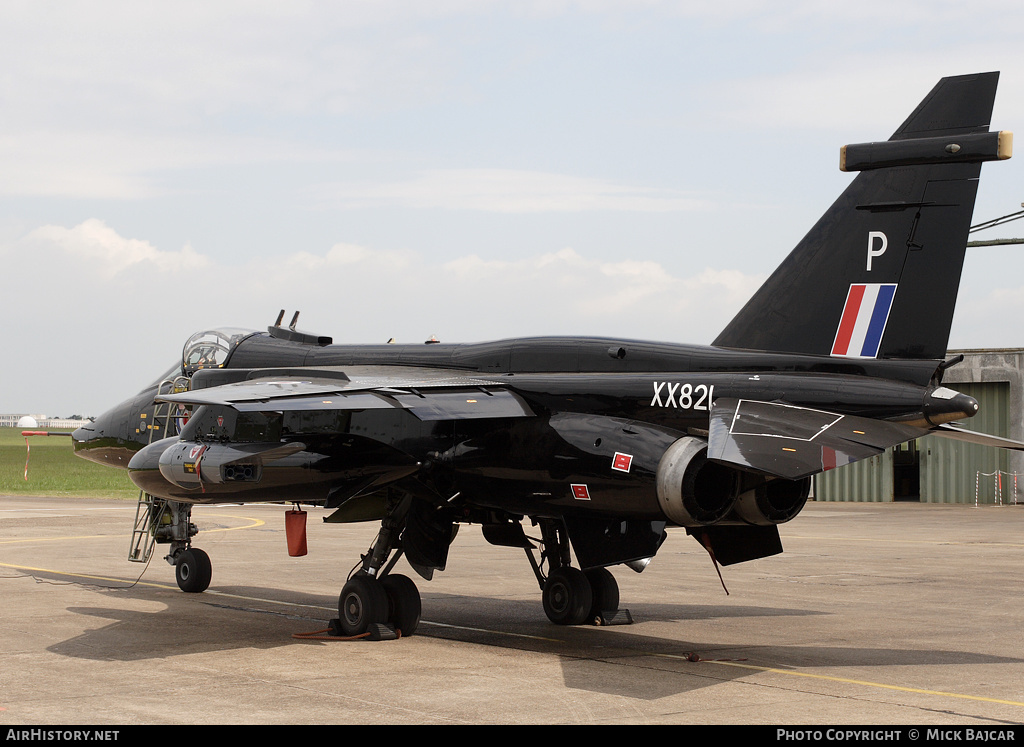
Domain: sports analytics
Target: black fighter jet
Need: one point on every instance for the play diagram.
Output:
(598, 443)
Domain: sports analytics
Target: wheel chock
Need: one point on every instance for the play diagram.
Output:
(374, 632)
(382, 632)
(614, 617)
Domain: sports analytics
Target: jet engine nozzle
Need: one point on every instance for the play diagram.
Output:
(773, 502)
(693, 491)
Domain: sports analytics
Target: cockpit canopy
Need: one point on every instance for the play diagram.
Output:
(212, 348)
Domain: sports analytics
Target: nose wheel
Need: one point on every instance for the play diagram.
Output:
(193, 570)
(170, 522)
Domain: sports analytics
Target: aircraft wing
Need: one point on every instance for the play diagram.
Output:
(790, 441)
(428, 397)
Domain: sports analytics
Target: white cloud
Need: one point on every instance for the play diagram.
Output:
(493, 134)
(106, 254)
(508, 191)
(144, 301)
(628, 298)
(89, 296)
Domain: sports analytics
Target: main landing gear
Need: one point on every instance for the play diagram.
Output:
(571, 596)
(384, 607)
(375, 601)
(575, 597)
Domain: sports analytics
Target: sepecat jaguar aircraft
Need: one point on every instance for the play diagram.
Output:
(599, 443)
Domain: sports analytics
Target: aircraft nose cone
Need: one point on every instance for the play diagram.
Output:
(92, 442)
(87, 436)
(83, 434)
(108, 440)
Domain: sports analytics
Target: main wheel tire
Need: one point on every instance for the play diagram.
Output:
(605, 591)
(193, 571)
(567, 596)
(403, 602)
(362, 603)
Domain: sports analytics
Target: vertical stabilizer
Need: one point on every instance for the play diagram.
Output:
(877, 276)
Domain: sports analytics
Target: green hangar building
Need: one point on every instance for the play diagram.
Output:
(940, 470)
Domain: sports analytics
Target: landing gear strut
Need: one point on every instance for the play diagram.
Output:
(375, 600)
(571, 596)
(164, 522)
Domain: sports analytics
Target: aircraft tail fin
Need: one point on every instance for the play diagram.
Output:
(878, 274)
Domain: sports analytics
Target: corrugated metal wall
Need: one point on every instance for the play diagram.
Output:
(948, 469)
(865, 481)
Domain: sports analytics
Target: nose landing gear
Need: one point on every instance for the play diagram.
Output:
(159, 521)
(193, 570)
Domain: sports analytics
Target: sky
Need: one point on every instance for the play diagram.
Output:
(466, 170)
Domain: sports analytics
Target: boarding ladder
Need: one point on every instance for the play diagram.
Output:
(151, 512)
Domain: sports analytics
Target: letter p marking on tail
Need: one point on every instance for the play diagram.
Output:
(872, 252)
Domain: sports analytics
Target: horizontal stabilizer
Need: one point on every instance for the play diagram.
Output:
(984, 439)
(789, 441)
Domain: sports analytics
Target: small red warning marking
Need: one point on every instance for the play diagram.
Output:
(622, 462)
(580, 493)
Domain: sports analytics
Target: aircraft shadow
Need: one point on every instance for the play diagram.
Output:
(647, 667)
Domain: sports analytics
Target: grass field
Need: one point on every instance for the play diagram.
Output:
(53, 469)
